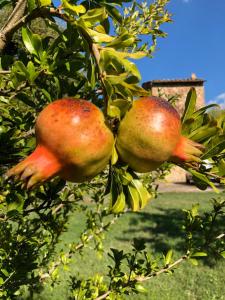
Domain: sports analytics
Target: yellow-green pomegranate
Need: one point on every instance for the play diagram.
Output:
(150, 134)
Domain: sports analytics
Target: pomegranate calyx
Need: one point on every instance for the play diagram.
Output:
(36, 168)
(187, 151)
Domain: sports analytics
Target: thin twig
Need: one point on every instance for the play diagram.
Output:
(220, 236)
(96, 54)
(142, 279)
(54, 211)
(5, 72)
(103, 296)
(166, 269)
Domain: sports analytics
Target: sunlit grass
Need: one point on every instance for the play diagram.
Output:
(160, 226)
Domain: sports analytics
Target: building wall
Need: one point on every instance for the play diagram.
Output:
(182, 92)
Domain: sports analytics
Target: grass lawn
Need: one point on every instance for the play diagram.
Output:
(160, 226)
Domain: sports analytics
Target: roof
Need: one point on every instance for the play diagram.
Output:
(174, 82)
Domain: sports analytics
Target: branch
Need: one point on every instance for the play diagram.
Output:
(4, 71)
(164, 270)
(142, 279)
(96, 54)
(7, 29)
(16, 20)
(94, 49)
(103, 296)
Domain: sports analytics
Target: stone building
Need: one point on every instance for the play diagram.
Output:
(177, 88)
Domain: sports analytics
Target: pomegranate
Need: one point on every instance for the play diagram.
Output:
(73, 142)
(150, 134)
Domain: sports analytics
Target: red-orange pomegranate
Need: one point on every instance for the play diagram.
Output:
(73, 142)
(150, 134)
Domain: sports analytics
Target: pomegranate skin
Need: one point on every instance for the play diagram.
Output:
(150, 134)
(73, 142)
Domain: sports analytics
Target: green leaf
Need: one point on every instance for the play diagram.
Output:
(45, 2)
(190, 105)
(4, 2)
(25, 99)
(144, 195)
(221, 167)
(33, 74)
(20, 69)
(139, 288)
(114, 157)
(194, 210)
(168, 257)
(135, 55)
(133, 197)
(17, 204)
(47, 95)
(111, 59)
(122, 104)
(32, 42)
(77, 9)
(91, 74)
(135, 89)
(125, 177)
(203, 133)
(99, 37)
(199, 254)
(108, 87)
(122, 41)
(202, 178)
(116, 79)
(114, 13)
(113, 111)
(202, 110)
(5, 272)
(94, 16)
(215, 149)
(193, 261)
(119, 205)
(222, 254)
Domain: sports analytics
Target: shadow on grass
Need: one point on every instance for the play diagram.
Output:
(163, 231)
(160, 230)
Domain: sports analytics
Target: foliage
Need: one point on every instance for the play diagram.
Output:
(90, 55)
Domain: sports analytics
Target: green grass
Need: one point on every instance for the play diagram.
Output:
(160, 226)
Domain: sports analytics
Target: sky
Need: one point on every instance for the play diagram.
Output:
(195, 44)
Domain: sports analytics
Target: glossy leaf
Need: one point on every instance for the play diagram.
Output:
(77, 9)
(32, 42)
(214, 149)
(140, 289)
(199, 254)
(114, 157)
(133, 197)
(94, 16)
(202, 180)
(144, 195)
(113, 111)
(119, 204)
(45, 2)
(168, 257)
(193, 261)
(190, 105)
(222, 254)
